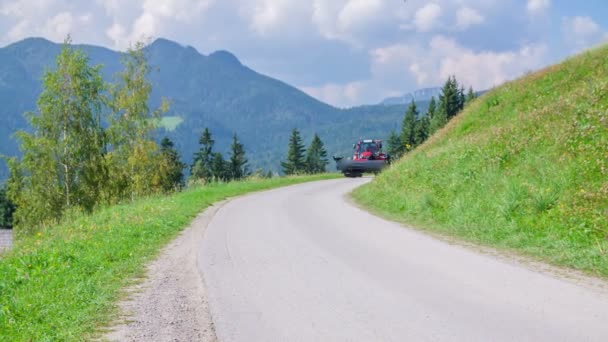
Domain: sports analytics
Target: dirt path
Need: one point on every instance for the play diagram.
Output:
(171, 304)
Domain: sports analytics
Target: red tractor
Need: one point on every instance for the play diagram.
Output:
(367, 157)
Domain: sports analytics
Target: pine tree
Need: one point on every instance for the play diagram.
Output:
(462, 98)
(432, 108)
(470, 96)
(395, 147)
(218, 167)
(450, 100)
(422, 130)
(201, 164)
(62, 164)
(438, 120)
(316, 156)
(295, 163)
(172, 167)
(237, 165)
(408, 128)
(7, 208)
(450, 103)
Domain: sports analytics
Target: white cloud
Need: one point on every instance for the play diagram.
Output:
(484, 69)
(357, 14)
(467, 17)
(426, 17)
(538, 6)
(581, 26)
(59, 26)
(342, 95)
(582, 32)
(351, 21)
(138, 20)
(430, 65)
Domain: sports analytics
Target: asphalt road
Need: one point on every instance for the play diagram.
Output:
(303, 264)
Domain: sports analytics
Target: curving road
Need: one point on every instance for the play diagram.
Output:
(303, 264)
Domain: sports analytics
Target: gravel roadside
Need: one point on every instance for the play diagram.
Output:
(171, 303)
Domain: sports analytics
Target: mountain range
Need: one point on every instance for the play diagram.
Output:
(215, 91)
(420, 95)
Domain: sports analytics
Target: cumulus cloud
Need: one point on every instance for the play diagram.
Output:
(467, 17)
(538, 6)
(484, 69)
(427, 17)
(581, 31)
(343, 95)
(345, 52)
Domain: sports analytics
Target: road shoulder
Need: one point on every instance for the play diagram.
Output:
(171, 303)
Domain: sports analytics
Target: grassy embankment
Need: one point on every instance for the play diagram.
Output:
(523, 168)
(63, 283)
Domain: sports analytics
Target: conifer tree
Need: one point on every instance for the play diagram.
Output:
(462, 98)
(316, 156)
(7, 208)
(218, 167)
(295, 162)
(432, 108)
(470, 96)
(408, 128)
(172, 166)
(394, 146)
(422, 130)
(201, 164)
(237, 165)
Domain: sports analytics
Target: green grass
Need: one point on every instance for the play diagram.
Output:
(524, 168)
(63, 284)
(170, 123)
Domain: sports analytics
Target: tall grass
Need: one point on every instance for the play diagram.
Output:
(524, 168)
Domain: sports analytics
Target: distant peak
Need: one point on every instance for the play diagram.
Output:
(163, 42)
(32, 41)
(225, 57)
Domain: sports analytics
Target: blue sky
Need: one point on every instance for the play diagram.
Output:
(344, 52)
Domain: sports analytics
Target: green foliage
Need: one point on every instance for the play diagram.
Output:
(62, 165)
(316, 156)
(421, 132)
(219, 167)
(296, 162)
(237, 164)
(470, 96)
(134, 157)
(71, 162)
(63, 283)
(394, 147)
(451, 99)
(201, 165)
(430, 112)
(7, 209)
(172, 167)
(522, 168)
(408, 127)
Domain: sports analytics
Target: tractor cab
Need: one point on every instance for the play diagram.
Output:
(369, 150)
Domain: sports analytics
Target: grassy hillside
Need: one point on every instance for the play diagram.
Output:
(524, 168)
(63, 283)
